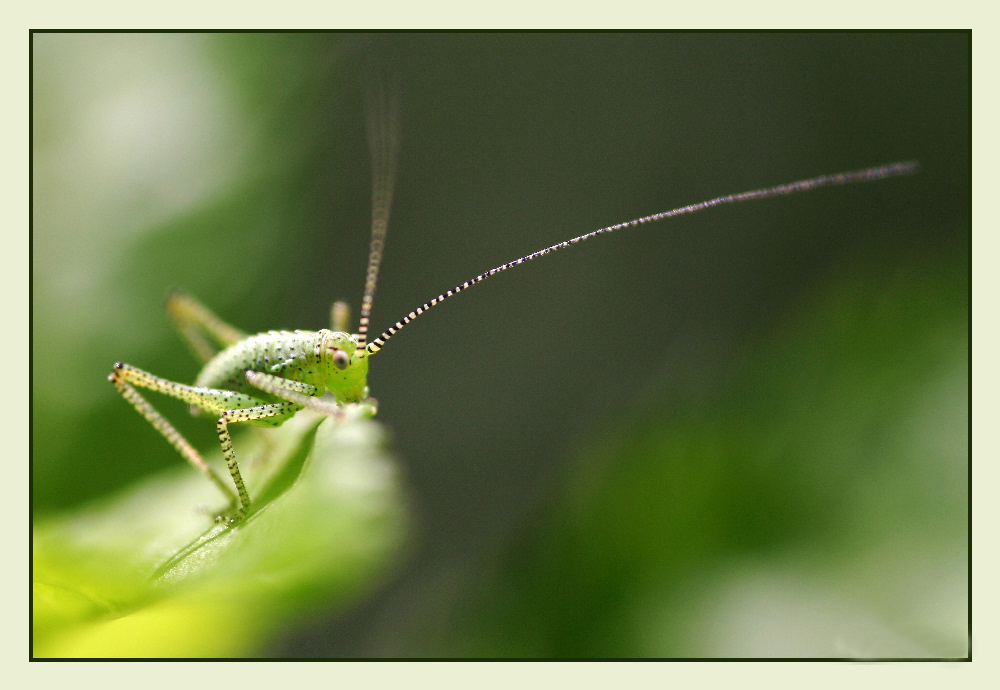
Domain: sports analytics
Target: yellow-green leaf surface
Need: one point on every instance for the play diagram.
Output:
(148, 573)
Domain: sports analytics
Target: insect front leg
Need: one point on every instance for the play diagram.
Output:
(296, 392)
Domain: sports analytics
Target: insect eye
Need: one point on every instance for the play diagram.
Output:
(341, 359)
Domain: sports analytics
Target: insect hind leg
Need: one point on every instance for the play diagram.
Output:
(340, 317)
(199, 325)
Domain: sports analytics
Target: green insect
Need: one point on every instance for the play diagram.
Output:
(265, 379)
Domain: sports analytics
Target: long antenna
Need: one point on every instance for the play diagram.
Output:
(382, 106)
(867, 175)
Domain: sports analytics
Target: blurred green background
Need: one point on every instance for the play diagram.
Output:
(741, 433)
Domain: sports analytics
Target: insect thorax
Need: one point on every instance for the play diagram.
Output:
(306, 356)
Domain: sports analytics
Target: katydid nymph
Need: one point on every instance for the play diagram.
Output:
(265, 379)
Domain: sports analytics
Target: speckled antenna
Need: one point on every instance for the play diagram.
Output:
(382, 105)
(866, 175)
(267, 378)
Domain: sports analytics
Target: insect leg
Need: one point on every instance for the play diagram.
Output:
(198, 325)
(340, 317)
(294, 392)
(168, 431)
(208, 399)
(247, 414)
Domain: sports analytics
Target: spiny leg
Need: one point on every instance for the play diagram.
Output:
(296, 392)
(199, 325)
(167, 430)
(247, 414)
(340, 317)
(208, 399)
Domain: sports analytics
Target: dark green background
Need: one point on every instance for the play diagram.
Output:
(545, 417)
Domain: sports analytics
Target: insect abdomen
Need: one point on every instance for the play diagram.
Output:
(289, 354)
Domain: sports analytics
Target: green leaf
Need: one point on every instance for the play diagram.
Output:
(148, 574)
